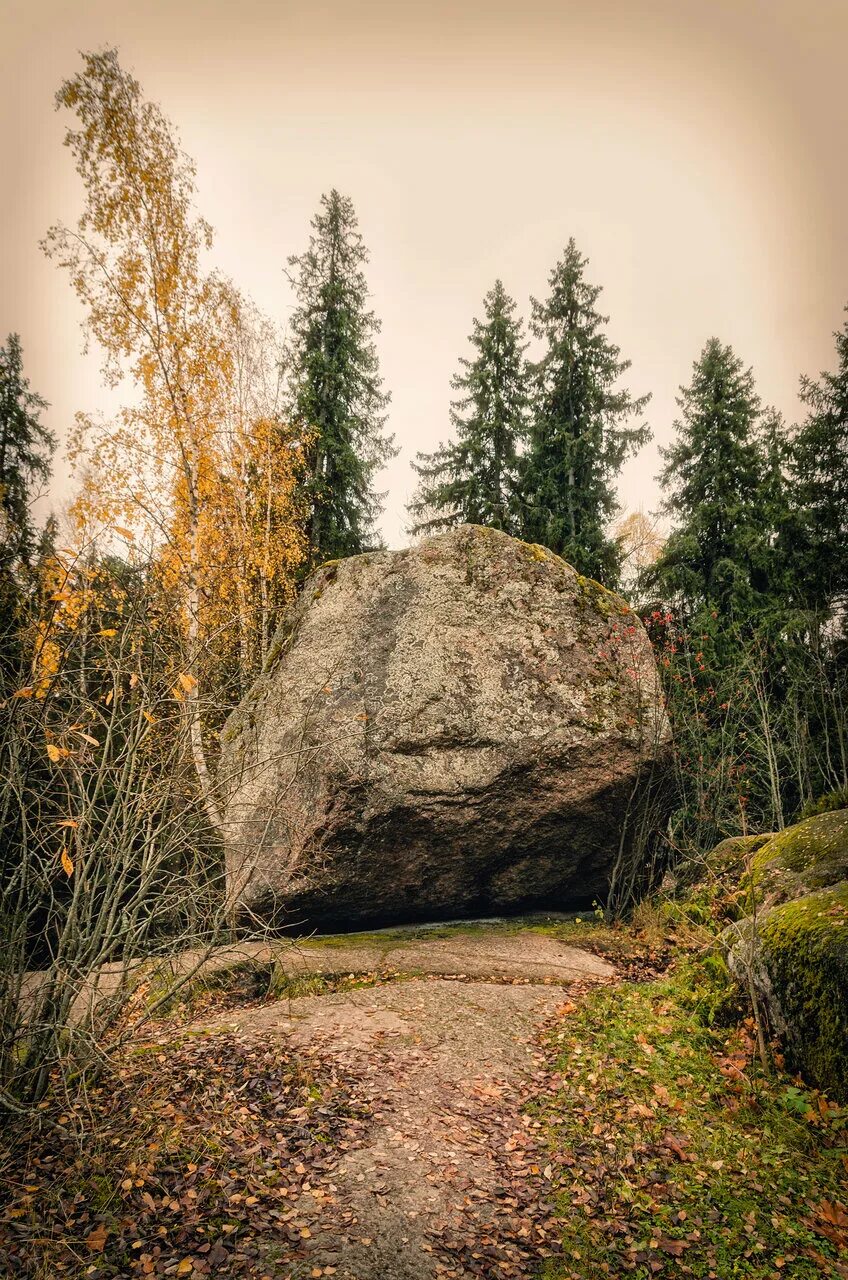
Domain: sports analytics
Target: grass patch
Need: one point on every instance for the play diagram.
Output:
(675, 1156)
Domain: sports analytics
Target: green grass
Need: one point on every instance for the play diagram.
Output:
(677, 1157)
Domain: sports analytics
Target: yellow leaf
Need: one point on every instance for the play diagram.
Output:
(188, 682)
(56, 753)
(125, 533)
(67, 864)
(107, 631)
(186, 1267)
(109, 696)
(148, 717)
(86, 737)
(68, 822)
(24, 693)
(133, 680)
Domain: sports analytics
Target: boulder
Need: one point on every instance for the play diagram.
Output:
(465, 726)
(793, 946)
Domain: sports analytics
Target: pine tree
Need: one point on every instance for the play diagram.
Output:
(337, 395)
(474, 479)
(26, 447)
(820, 466)
(719, 482)
(580, 435)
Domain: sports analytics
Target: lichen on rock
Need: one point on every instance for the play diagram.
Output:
(458, 726)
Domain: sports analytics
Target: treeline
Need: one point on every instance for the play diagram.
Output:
(744, 597)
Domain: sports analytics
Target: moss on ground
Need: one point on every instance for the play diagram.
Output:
(677, 1157)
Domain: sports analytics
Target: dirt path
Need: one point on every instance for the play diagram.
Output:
(449, 1177)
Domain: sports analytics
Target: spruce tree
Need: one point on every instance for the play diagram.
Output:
(337, 395)
(721, 481)
(580, 433)
(474, 479)
(820, 466)
(26, 447)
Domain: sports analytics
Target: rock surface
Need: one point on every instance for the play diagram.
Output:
(458, 727)
(795, 949)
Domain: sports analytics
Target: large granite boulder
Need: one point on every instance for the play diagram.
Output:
(464, 726)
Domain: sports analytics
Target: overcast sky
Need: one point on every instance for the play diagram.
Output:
(696, 151)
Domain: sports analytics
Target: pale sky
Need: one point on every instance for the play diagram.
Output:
(694, 148)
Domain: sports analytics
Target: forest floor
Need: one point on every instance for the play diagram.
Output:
(538, 1098)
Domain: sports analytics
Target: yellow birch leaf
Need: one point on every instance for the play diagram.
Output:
(125, 533)
(67, 864)
(188, 682)
(109, 696)
(148, 717)
(133, 680)
(107, 631)
(26, 692)
(68, 822)
(55, 753)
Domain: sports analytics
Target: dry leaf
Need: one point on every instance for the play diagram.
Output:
(67, 864)
(96, 1240)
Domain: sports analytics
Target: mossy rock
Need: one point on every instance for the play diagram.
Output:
(805, 950)
(730, 857)
(793, 945)
(809, 855)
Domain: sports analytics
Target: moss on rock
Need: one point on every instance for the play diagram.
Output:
(805, 951)
(730, 857)
(816, 850)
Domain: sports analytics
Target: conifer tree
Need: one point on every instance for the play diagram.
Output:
(474, 479)
(820, 466)
(26, 447)
(337, 395)
(719, 482)
(581, 432)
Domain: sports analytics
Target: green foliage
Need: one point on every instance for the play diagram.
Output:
(475, 478)
(26, 447)
(820, 467)
(826, 803)
(337, 395)
(716, 560)
(580, 434)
